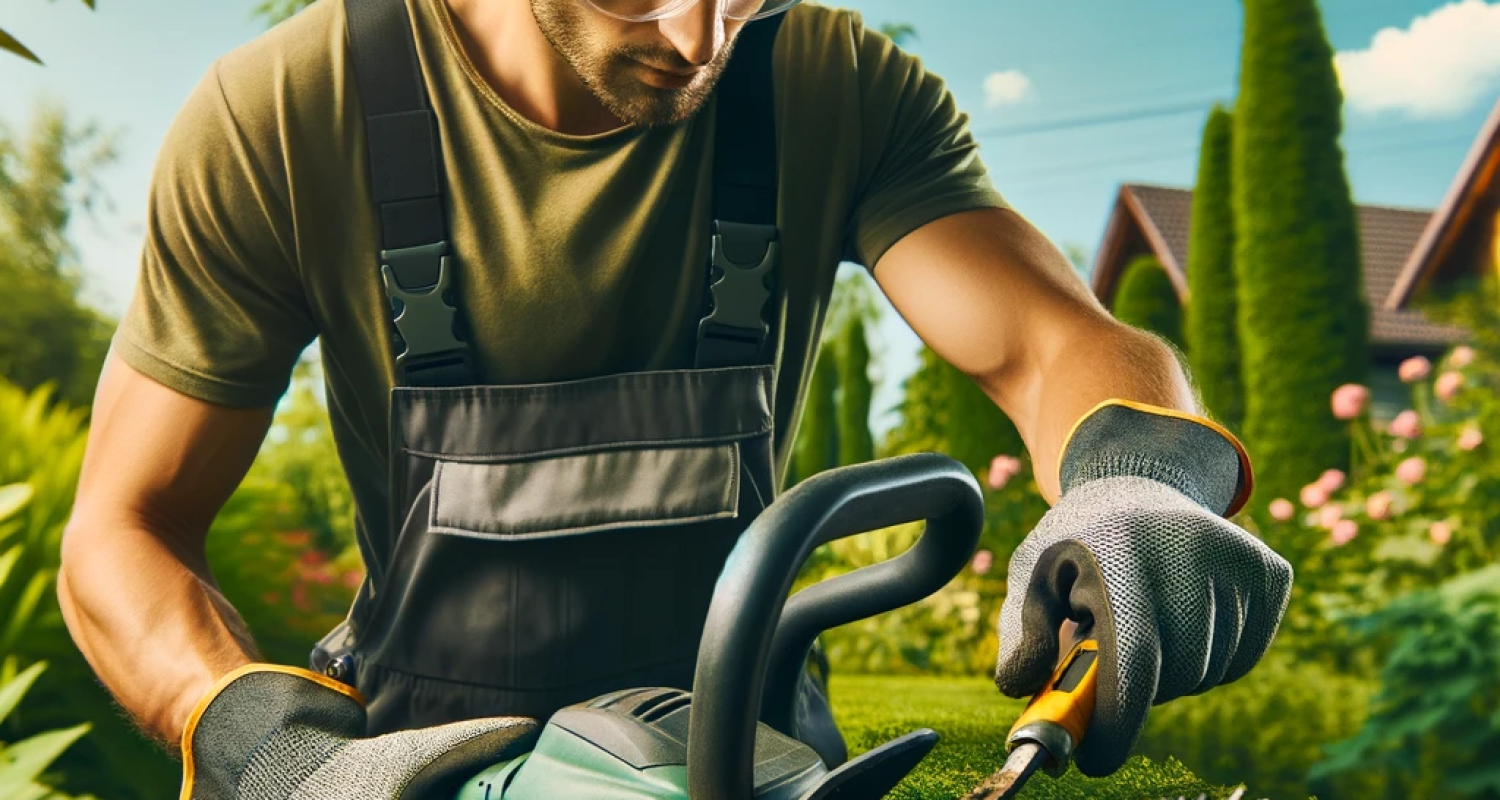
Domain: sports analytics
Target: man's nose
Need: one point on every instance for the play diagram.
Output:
(698, 33)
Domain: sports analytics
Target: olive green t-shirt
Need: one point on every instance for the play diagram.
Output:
(578, 256)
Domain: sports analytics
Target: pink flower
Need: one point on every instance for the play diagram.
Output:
(982, 562)
(299, 597)
(1412, 470)
(1331, 480)
(1414, 369)
(1470, 439)
(1349, 401)
(1329, 515)
(312, 558)
(295, 538)
(1282, 509)
(1440, 532)
(1406, 425)
(1447, 385)
(1462, 356)
(1314, 495)
(1344, 532)
(1002, 469)
(352, 578)
(1378, 505)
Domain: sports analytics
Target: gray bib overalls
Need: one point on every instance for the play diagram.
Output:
(554, 542)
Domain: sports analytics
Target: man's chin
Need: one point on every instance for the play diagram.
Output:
(644, 104)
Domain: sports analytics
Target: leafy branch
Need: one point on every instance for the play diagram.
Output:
(9, 43)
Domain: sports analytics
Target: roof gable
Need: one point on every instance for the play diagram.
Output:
(1479, 175)
(1158, 219)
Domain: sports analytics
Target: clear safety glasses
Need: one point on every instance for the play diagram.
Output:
(647, 10)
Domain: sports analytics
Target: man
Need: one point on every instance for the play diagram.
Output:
(545, 525)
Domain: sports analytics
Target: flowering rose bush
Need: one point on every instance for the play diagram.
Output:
(1420, 505)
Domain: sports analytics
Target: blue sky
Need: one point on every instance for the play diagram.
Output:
(1420, 76)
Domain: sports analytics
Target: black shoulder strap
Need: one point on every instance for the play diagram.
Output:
(742, 262)
(406, 179)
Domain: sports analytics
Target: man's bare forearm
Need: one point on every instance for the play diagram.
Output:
(1103, 362)
(157, 632)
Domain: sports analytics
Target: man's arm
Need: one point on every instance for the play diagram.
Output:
(993, 297)
(135, 586)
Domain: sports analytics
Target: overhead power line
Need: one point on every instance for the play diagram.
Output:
(1091, 120)
(1064, 178)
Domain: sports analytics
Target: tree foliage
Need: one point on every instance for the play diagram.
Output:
(856, 445)
(899, 32)
(1302, 317)
(301, 454)
(816, 447)
(945, 411)
(9, 43)
(273, 12)
(1147, 299)
(47, 334)
(1211, 326)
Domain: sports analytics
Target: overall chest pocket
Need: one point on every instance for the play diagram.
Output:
(560, 540)
(586, 493)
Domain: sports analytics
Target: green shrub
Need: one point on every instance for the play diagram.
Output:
(1434, 718)
(1147, 300)
(856, 445)
(816, 447)
(1303, 322)
(288, 592)
(953, 632)
(24, 764)
(1268, 729)
(945, 411)
(1210, 323)
(1412, 512)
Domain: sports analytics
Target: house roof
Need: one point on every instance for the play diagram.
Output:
(1477, 176)
(1158, 219)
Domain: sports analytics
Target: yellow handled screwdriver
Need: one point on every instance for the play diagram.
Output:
(1051, 727)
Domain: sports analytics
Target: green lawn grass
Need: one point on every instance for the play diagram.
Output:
(972, 718)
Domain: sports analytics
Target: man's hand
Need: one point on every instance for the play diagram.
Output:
(1136, 545)
(1179, 598)
(280, 733)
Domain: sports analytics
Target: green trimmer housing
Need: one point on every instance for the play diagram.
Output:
(729, 738)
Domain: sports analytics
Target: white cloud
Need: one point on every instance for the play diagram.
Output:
(1442, 65)
(1005, 88)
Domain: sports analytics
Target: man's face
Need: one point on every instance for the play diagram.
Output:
(642, 81)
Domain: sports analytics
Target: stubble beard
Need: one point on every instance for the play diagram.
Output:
(609, 74)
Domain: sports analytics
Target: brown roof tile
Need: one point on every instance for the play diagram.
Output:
(1387, 236)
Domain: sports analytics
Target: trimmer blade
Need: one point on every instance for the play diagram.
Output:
(1006, 782)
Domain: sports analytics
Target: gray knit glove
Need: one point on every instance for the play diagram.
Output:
(1138, 551)
(269, 732)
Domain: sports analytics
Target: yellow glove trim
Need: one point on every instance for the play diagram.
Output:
(1247, 475)
(202, 706)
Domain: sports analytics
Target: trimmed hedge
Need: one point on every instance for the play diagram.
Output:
(1147, 300)
(1210, 323)
(856, 445)
(816, 447)
(1302, 317)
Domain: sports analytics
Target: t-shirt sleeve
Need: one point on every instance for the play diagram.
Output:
(219, 312)
(919, 162)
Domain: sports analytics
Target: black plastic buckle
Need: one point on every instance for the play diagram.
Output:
(742, 257)
(418, 281)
